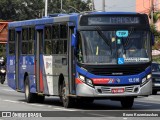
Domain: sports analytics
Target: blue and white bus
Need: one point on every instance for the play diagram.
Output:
(81, 57)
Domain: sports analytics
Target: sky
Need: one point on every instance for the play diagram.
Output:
(117, 5)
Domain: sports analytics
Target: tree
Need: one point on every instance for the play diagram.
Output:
(20, 9)
(8, 9)
(69, 6)
(156, 16)
(16, 10)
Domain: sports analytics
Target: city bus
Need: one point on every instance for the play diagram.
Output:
(81, 57)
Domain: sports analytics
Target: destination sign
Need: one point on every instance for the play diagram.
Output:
(109, 20)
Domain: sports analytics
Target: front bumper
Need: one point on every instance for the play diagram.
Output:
(83, 90)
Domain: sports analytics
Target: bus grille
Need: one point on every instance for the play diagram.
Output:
(106, 89)
(116, 71)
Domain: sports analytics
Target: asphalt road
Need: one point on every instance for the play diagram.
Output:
(14, 102)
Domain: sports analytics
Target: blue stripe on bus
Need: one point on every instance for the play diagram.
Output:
(19, 29)
(39, 27)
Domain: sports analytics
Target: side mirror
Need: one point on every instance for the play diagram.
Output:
(73, 43)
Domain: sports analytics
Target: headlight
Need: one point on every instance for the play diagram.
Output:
(89, 82)
(85, 80)
(149, 76)
(3, 71)
(146, 79)
(82, 78)
(143, 80)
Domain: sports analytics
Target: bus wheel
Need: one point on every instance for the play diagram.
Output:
(30, 97)
(40, 98)
(127, 102)
(66, 100)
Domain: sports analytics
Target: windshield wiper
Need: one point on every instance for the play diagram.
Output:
(106, 40)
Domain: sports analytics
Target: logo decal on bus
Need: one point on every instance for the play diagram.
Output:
(48, 65)
(120, 60)
(122, 33)
(103, 80)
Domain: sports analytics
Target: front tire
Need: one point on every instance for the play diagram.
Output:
(66, 100)
(29, 97)
(40, 98)
(127, 102)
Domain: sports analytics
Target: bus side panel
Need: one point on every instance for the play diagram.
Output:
(48, 75)
(11, 72)
(58, 69)
(26, 65)
(22, 70)
(31, 72)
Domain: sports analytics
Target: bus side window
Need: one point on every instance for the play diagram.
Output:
(79, 49)
(63, 31)
(55, 38)
(54, 43)
(11, 41)
(31, 41)
(55, 31)
(48, 40)
(24, 41)
(63, 38)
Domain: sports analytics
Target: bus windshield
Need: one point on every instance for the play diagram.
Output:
(105, 47)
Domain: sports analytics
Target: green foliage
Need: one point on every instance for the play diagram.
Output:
(156, 59)
(156, 16)
(154, 30)
(69, 6)
(30, 9)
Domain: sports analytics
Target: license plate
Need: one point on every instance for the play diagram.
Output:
(117, 90)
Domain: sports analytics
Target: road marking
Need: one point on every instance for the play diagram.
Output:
(8, 90)
(11, 101)
(97, 115)
(36, 105)
(125, 118)
(63, 109)
(142, 105)
(50, 106)
(152, 102)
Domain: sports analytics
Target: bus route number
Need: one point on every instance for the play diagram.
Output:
(121, 33)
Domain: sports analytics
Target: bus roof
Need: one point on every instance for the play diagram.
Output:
(58, 18)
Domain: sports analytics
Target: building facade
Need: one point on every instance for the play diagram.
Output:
(3, 37)
(144, 6)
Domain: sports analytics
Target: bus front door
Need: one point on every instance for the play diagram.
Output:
(38, 59)
(17, 60)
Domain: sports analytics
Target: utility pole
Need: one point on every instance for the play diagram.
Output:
(152, 10)
(103, 5)
(61, 5)
(46, 7)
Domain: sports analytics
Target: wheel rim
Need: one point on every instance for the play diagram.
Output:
(27, 91)
(64, 97)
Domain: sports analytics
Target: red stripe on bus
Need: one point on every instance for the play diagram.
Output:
(102, 80)
(78, 81)
(41, 82)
